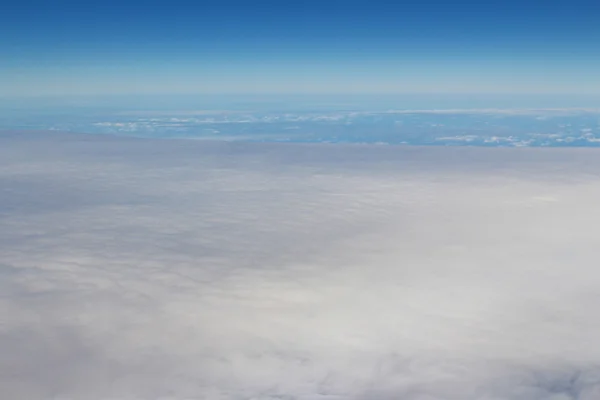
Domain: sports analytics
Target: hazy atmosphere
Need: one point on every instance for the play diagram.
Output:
(299, 200)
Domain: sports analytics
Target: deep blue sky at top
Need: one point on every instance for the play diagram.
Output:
(109, 47)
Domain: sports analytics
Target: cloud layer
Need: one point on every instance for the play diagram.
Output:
(149, 269)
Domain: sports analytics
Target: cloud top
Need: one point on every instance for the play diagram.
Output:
(152, 269)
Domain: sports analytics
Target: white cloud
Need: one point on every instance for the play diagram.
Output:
(140, 269)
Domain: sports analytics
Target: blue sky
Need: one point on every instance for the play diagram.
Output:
(135, 47)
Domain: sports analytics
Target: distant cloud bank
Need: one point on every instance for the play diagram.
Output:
(485, 127)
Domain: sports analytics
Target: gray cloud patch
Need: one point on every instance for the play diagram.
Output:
(142, 269)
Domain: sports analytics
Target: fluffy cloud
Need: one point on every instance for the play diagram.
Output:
(142, 269)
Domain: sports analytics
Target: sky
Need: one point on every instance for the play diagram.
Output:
(145, 268)
(131, 47)
(176, 270)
